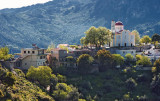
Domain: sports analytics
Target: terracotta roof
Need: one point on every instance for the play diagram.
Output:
(119, 23)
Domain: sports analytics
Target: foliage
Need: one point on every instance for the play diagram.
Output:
(143, 60)
(50, 47)
(4, 53)
(155, 84)
(42, 74)
(118, 59)
(73, 46)
(84, 63)
(64, 47)
(61, 78)
(157, 65)
(52, 61)
(81, 100)
(129, 57)
(137, 37)
(21, 90)
(7, 77)
(155, 37)
(96, 36)
(131, 83)
(105, 59)
(65, 92)
(145, 39)
(19, 72)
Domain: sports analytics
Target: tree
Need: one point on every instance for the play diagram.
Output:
(64, 92)
(118, 59)
(84, 63)
(137, 37)
(83, 41)
(50, 47)
(105, 59)
(96, 36)
(4, 53)
(143, 60)
(104, 36)
(155, 37)
(92, 36)
(42, 74)
(145, 39)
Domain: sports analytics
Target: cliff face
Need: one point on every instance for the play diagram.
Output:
(65, 21)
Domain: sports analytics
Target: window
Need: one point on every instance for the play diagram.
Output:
(33, 52)
(132, 52)
(25, 64)
(24, 52)
(125, 44)
(119, 45)
(28, 51)
(44, 57)
(123, 52)
(40, 57)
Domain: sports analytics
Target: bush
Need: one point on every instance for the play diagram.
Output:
(9, 79)
(64, 92)
(42, 74)
(105, 59)
(118, 59)
(155, 84)
(84, 63)
(19, 72)
(61, 78)
(131, 83)
(143, 60)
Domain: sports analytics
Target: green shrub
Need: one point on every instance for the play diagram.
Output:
(131, 83)
(61, 78)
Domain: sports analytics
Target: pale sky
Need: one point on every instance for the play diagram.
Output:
(19, 3)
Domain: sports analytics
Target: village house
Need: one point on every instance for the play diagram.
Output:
(27, 58)
(63, 57)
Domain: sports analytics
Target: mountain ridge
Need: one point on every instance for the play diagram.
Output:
(65, 21)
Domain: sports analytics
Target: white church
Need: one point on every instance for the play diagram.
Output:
(121, 37)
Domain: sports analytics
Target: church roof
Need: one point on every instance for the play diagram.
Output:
(119, 23)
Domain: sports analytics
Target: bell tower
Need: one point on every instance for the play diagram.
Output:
(113, 32)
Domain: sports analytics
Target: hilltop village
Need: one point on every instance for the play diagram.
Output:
(110, 64)
(122, 42)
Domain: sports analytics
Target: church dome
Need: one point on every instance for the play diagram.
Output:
(119, 23)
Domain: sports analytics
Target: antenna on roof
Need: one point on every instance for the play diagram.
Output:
(35, 46)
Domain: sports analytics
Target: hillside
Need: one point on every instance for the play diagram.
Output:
(65, 21)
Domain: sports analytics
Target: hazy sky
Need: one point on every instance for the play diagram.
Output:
(19, 3)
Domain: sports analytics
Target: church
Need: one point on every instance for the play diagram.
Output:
(121, 37)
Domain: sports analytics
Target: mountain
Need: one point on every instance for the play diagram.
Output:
(65, 21)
